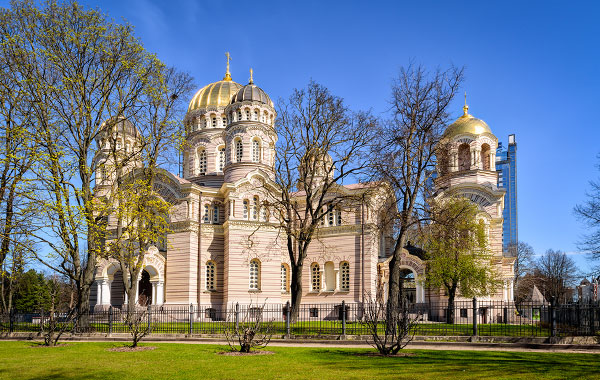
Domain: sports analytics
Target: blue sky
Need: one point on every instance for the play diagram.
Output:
(531, 70)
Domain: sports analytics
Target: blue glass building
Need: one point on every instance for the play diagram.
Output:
(506, 166)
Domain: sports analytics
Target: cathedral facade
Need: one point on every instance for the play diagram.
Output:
(224, 247)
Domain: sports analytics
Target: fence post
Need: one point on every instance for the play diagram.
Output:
(287, 319)
(343, 319)
(149, 316)
(110, 320)
(475, 313)
(191, 319)
(552, 317)
(237, 316)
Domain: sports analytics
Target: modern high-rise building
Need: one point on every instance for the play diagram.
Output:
(506, 166)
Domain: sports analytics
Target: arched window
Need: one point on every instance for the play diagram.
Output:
(247, 114)
(315, 277)
(239, 115)
(254, 274)
(255, 208)
(214, 122)
(263, 213)
(211, 275)
(239, 150)
(201, 161)
(206, 213)
(329, 276)
(338, 216)
(245, 209)
(221, 162)
(485, 156)
(344, 276)
(255, 116)
(464, 157)
(215, 213)
(223, 121)
(284, 278)
(255, 150)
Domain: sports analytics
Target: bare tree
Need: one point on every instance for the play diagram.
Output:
(589, 213)
(60, 319)
(555, 272)
(388, 340)
(138, 323)
(246, 329)
(404, 155)
(523, 262)
(321, 144)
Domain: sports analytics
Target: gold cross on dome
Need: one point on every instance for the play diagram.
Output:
(251, 74)
(227, 73)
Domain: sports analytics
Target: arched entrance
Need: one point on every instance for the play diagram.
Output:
(145, 289)
(408, 285)
(117, 290)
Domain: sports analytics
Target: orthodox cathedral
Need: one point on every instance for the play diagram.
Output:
(224, 247)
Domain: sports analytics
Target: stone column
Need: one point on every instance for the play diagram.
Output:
(160, 293)
(336, 272)
(154, 286)
(99, 292)
(105, 292)
(493, 161)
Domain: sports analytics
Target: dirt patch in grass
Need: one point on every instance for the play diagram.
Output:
(252, 353)
(130, 349)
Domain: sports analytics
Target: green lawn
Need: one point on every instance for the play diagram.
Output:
(18, 360)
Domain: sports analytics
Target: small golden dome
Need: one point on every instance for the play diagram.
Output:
(216, 94)
(467, 124)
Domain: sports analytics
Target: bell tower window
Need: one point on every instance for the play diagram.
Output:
(221, 163)
(255, 150)
(201, 161)
(464, 157)
(239, 150)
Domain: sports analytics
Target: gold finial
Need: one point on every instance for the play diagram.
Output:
(227, 76)
(251, 79)
(466, 107)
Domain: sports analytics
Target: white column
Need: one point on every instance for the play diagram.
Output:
(160, 293)
(493, 161)
(99, 292)
(126, 297)
(505, 291)
(105, 292)
(337, 279)
(154, 292)
(511, 290)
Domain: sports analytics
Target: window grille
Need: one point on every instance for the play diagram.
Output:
(315, 277)
(210, 275)
(345, 276)
(254, 274)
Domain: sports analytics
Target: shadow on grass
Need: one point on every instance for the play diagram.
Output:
(460, 364)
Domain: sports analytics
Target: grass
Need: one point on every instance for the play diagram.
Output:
(18, 360)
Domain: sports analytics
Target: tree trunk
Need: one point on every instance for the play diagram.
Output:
(83, 305)
(296, 291)
(450, 310)
(394, 292)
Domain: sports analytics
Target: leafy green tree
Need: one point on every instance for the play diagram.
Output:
(32, 292)
(84, 73)
(458, 258)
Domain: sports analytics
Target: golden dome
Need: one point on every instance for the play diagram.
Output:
(216, 94)
(467, 124)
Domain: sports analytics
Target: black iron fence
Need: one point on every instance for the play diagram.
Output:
(483, 318)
